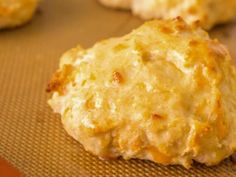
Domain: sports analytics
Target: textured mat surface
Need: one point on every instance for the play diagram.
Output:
(31, 136)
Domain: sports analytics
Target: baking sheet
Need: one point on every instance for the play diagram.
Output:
(31, 136)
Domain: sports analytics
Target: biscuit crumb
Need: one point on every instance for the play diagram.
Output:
(117, 77)
(193, 43)
(89, 104)
(157, 116)
(166, 30)
(60, 79)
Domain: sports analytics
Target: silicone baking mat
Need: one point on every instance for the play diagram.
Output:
(31, 136)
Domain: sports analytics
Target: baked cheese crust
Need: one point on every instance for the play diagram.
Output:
(165, 92)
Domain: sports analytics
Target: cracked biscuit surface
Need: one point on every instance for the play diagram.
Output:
(165, 92)
(206, 12)
(16, 12)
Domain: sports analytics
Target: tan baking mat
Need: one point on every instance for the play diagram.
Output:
(31, 136)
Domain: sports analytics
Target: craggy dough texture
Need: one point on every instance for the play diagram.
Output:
(165, 92)
(206, 12)
(16, 12)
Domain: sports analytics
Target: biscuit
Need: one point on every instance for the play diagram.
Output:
(207, 13)
(16, 12)
(165, 92)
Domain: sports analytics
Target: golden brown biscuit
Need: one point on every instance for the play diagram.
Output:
(16, 12)
(165, 92)
(206, 12)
